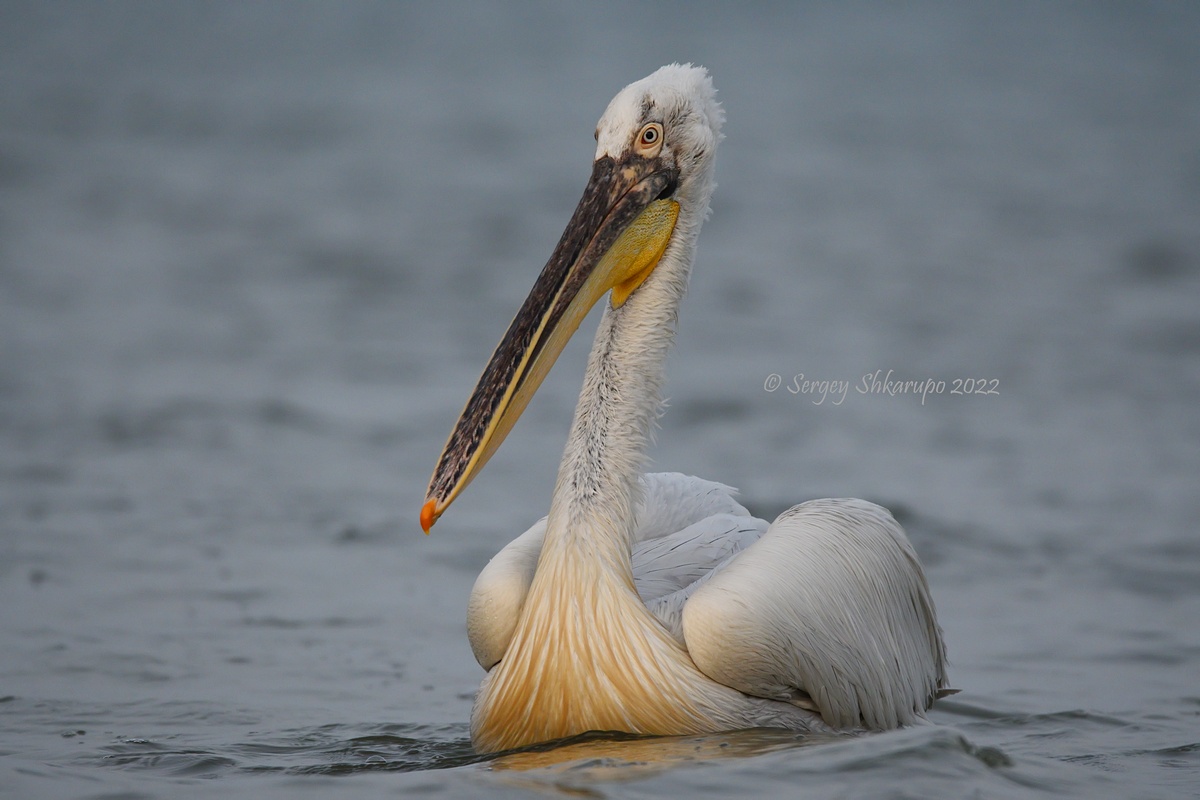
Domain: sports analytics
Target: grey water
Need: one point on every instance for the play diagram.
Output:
(254, 255)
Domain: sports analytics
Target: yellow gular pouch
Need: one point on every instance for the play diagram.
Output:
(636, 253)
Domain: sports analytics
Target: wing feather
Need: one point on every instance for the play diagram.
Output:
(829, 609)
(669, 569)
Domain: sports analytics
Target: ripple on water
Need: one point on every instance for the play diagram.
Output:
(343, 750)
(1000, 754)
(337, 749)
(159, 757)
(333, 749)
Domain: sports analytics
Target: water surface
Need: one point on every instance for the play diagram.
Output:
(252, 258)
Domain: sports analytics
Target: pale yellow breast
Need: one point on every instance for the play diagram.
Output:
(586, 655)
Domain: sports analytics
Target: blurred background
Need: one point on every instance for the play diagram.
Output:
(253, 257)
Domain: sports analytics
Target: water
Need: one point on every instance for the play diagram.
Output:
(252, 258)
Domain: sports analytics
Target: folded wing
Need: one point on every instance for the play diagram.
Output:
(828, 610)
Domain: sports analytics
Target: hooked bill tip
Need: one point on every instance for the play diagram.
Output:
(428, 515)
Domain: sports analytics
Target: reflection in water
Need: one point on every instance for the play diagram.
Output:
(616, 756)
(908, 755)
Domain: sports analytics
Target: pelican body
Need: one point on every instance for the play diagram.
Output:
(655, 603)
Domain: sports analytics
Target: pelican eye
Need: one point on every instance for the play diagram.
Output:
(649, 140)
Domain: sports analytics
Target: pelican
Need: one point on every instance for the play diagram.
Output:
(655, 603)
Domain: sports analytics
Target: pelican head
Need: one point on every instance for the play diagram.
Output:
(647, 196)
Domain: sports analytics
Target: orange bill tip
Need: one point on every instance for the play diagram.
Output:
(428, 515)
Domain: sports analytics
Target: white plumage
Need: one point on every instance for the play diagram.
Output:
(830, 612)
(655, 603)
